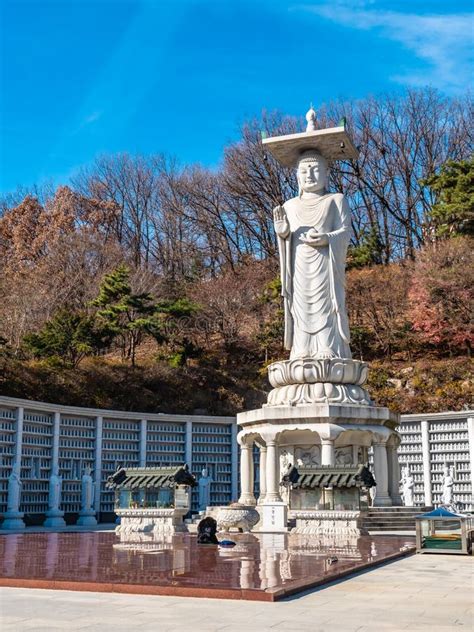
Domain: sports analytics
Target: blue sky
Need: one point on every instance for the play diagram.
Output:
(80, 78)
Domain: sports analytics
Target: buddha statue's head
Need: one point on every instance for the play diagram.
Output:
(312, 172)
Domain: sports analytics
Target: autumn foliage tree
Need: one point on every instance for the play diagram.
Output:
(377, 306)
(442, 295)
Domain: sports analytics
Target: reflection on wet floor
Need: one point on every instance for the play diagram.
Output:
(258, 562)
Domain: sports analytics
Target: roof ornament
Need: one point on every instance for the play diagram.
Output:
(311, 119)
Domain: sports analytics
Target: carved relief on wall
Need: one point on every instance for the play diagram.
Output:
(307, 456)
(343, 456)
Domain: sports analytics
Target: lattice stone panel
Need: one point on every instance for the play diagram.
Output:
(212, 448)
(77, 437)
(120, 448)
(166, 443)
(7, 448)
(37, 443)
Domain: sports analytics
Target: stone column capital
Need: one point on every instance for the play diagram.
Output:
(327, 441)
(244, 439)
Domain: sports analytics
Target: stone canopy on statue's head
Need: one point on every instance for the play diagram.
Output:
(333, 143)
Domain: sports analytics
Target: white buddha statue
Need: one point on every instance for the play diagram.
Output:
(313, 232)
(448, 483)
(14, 489)
(204, 489)
(55, 488)
(408, 487)
(87, 490)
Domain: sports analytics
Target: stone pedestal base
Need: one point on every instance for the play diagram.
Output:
(87, 518)
(149, 520)
(329, 523)
(344, 415)
(311, 381)
(54, 518)
(382, 501)
(13, 520)
(274, 517)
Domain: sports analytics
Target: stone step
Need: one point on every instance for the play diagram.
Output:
(389, 523)
(392, 518)
(411, 510)
(392, 528)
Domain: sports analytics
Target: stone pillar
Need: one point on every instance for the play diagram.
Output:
(274, 510)
(394, 475)
(188, 446)
(272, 470)
(425, 447)
(13, 517)
(470, 434)
(143, 431)
(355, 455)
(382, 499)
(98, 464)
(55, 517)
(327, 452)
(263, 474)
(234, 461)
(246, 475)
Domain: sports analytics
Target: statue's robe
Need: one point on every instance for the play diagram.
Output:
(313, 278)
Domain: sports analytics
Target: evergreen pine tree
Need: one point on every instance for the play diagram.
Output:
(67, 336)
(453, 213)
(123, 314)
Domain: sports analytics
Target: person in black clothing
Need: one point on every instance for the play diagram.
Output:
(207, 530)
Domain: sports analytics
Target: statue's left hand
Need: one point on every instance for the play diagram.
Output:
(317, 240)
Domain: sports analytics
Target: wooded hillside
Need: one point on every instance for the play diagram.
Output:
(149, 285)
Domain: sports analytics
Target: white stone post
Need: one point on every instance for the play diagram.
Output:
(143, 431)
(13, 517)
(263, 474)
(246, 475)
(188, 445)
(355, 455)
(54, 516)
(470, 434)
(394, 475)
(234, 460)
(272, 469)
(98, 464)
(327, 452)
(274, 510)
(425, 447)
(382, 498)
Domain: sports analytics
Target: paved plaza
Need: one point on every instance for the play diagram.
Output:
(421, 592)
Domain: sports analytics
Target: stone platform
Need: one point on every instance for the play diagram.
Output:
(264, 567)
(406, 595)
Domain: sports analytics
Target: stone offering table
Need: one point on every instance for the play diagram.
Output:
(150, 520)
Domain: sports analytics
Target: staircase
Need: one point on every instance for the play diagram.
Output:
(392, 518)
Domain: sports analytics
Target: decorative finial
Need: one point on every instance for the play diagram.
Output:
(311, 119)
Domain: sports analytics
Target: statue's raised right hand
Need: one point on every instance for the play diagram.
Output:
(281, 222)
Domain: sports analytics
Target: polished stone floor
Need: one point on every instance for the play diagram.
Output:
(419, 593)
(264, 567)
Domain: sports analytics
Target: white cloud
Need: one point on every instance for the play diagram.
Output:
(91, 118)
(444, 42)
